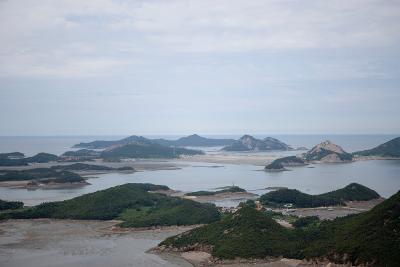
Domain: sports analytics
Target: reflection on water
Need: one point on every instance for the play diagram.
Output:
(380, 175)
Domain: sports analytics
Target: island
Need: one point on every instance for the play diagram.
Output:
(19, 159)
(10, 205)
(249, 143)
(390, 149)
(134, 204)
(327, 152)
(150, 150)
(231, 189)
(370, 238)
(191, 140)
(281, 163)
(82, 167)
(295, 198)
(40, 176)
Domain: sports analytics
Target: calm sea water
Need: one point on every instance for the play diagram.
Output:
(380, 175)
(31, 145)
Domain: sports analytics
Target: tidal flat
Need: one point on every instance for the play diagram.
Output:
(64, 243)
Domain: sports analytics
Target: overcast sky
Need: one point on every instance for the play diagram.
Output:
(207, 66)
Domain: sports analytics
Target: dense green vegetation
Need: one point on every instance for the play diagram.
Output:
(281, 163)
(132, 203)
(232, 189)
(42, 158)
(44, 175)
(18, 159)
(388, 149)
(297, 198)
(151, 150)
(305, 221)
(275, 166)
(370, 238)
(247, 234)
(89, 167)
(351, 192)
(10, 205)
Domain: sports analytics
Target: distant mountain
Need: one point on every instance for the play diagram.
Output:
(367, 239)
(142, 150)
(281, 163)
(328, 152)
(194, 140)
(249, 143)
(19, 159)
(191, 140)
(100, 144)
(389, 149)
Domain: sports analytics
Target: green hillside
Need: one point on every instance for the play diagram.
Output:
(370, 238)
(351, 192)
(388, 149)
(131, 203)
(232, 189)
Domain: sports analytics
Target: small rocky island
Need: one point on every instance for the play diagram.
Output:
(327, 152)
(281, 163)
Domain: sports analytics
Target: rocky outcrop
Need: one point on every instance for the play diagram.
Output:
(328, 152)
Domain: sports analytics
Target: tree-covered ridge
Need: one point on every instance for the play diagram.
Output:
(43, 175)
(191, 140)
(10, 205)
(232, 189)
(147, 151)
(281, 163)
(19, 159)
(388, 149)
(350, 192)
(89, 167)
(132, 203)
(371, 238)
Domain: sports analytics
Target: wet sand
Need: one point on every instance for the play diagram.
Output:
(257, 159)
(46, 242)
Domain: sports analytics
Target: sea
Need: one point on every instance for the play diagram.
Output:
(380, 175)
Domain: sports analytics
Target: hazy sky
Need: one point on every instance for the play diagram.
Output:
(210, 67)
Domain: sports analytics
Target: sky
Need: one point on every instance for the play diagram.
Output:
(115, 67)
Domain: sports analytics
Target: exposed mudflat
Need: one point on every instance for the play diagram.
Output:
(46, 242)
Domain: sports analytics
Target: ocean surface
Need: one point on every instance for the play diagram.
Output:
(31, 145)
(380, 175)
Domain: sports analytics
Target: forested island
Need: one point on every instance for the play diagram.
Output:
(351, 192)
(390, 149)
(231, 189)
(134, 204)
(370, 238)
